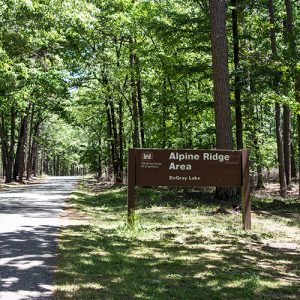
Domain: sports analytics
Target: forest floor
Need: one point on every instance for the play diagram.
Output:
(32, 180)
(182, 246)
(271, 189)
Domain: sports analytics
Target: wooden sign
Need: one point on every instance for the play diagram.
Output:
(189, 168)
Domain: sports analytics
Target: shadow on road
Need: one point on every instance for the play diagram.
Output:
(29, 224)
(22, 271)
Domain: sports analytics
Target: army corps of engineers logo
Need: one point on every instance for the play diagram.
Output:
(147, 156)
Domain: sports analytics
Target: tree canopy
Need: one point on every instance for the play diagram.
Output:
(82, 81)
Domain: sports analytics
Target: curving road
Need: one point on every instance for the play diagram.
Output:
(29, 221)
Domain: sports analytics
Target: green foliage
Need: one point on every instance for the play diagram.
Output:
(71, 59)
(62, 140)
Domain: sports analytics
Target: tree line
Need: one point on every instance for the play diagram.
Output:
(82, 81)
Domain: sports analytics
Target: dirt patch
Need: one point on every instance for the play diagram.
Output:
(273, 190)
(97, 186)
(71, 216)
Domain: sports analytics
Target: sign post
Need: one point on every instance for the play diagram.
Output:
(189, 168)
(246, 205)
(131, 184)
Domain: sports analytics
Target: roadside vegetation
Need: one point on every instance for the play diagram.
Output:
(184, 245)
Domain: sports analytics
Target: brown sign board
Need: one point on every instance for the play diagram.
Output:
(189, 168)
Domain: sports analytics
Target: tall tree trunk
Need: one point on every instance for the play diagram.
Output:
(30, 145)
(16, 164)
(116, 165)
(51, 165)
(220, 74)
(4, 167)
(22, 139)
(259, 169)
(111, 145)
(46, 163)
(164, 114)
(293, 163)
(11, 152)
(134, 92)
(99, 162)
(237, 81)
(287, 143)
(40, 169)
(57, 167)
(280, 150)
(34, 151)
(280, 154)
(4, 149)
(296, 72)
(140, 102)
(2, 174)
(164, 127)
(121, 142)
(4, 159)
(188, 123)
(134, 100)
(221, 82)
(120, 121)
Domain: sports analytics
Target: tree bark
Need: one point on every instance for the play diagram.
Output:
(4, 149)
(10, 147)
(4, 159)
(35, 146)
(111, 146)
(287, 143)
(164, 115)
(99, 161)
(121, 142)
(259, 169)
(57, 166)
(293, 49)
(22, 141)
(120, 121)
(293, 163)
(140, 102)
(280, 154)
(164, 127)
(188, 123)
(134, 100)
(30, 145)
(220, 74)
(116, 165)
(237, 80)
(221, 82)
(16, 163)
(280, 150)
(45, 164)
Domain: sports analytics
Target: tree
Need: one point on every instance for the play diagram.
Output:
(237, 79)
(220, 74)
(132, 73)
(221, 81)
(295, 71)
(281, 162)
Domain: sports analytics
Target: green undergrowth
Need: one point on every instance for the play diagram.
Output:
(181, 246)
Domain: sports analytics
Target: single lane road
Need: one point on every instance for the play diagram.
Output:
(29, 222)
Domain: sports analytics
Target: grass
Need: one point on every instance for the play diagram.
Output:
(179, 248)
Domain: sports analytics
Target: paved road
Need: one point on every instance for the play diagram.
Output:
(28, 230)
